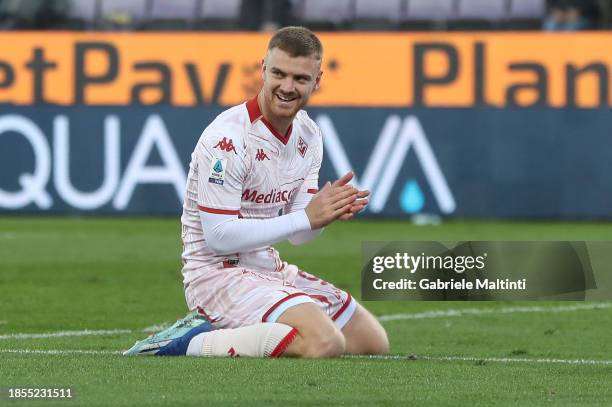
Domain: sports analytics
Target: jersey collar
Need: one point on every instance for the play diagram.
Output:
(255, 114)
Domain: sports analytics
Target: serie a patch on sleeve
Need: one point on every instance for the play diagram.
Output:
(217, 171)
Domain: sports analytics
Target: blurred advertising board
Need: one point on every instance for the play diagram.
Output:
(479, 163)
(481, 125)
(376, 69)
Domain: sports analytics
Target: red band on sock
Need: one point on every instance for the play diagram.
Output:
(284, 343)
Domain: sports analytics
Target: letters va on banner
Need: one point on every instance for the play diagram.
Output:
(387, 158)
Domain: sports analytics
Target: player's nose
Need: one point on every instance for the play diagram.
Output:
(287, 85)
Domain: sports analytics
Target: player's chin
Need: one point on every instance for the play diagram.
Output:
(287, 110)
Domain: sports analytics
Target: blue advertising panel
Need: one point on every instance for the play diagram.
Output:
(475, 163)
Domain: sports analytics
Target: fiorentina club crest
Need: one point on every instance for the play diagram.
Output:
(302, 147)
(225, 145)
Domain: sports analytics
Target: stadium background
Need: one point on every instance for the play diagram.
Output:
(468, 119)
(486, 124)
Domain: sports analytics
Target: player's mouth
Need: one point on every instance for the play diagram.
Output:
(285, 100)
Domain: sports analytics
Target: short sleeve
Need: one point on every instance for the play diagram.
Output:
(221, 173)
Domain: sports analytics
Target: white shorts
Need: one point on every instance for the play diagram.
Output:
(234, 297)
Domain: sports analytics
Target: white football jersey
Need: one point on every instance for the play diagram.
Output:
(243, 166)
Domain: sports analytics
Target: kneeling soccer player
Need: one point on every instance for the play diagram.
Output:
(251, 163)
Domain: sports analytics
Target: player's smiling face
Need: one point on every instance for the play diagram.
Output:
(288, 82)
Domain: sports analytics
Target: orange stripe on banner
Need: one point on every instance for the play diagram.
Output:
(402, 69)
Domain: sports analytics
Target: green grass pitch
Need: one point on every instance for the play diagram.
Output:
(116, 277)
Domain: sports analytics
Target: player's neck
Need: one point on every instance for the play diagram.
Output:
(280, 124)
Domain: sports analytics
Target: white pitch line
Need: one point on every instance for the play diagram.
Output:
(3, 322)
(485, 359)
(85, 332)
(61, 351)
(373, 357)
(59, 334)
(156, 328)
(488, 311)
(521, 360)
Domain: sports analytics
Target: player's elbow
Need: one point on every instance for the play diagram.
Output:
(217, 244)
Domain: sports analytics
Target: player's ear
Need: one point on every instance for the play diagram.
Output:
(318, 81)
(263, 66)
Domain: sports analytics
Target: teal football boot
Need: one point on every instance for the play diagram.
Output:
(172, 341)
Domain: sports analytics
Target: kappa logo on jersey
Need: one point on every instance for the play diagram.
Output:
(225, 145)
(217, 171)
(302, 147)
(261, 155)
(232, 352)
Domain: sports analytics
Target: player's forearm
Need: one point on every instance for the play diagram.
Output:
(299, 203)
(227, 234)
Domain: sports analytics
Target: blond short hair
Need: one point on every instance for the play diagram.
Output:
(297, 42)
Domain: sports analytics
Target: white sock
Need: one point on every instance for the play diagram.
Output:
(268, 339)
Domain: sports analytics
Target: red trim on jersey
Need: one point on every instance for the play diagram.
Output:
(284, 343)
(320, 298)
(253, 109)
(312, 190)
(255, 113)
(283, 139)
(218, 211)
(205, 315)
(341, 310)
(273, 307)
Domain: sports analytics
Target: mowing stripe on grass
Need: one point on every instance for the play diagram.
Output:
(493, 311)
(373, 357)
(85, 332)
(384, 318)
